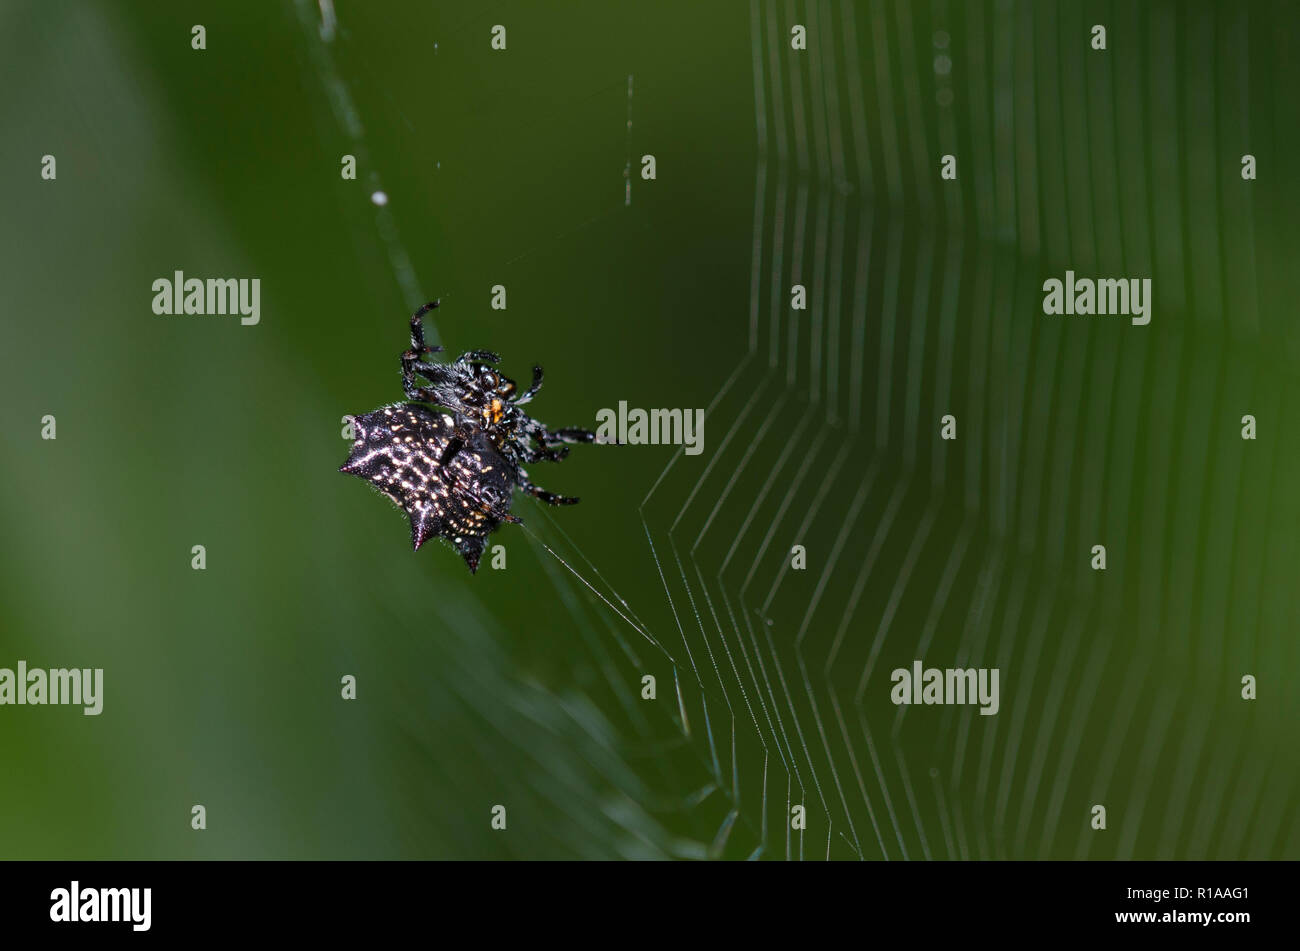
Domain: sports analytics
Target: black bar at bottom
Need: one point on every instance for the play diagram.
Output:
(1177, 900)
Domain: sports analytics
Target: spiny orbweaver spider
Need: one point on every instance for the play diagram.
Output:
(454, 473)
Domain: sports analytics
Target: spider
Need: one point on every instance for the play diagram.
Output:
(454, 473)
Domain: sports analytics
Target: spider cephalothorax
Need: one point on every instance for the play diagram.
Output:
(482, 398)
(454, 473)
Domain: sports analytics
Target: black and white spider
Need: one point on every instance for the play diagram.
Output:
(454, 473)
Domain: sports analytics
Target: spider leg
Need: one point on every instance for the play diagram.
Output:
(454, 445)
(475, 356)
(529, 454)
(463, 434)
(411, 361)
(435, 373)
(417, 328)
(550, 498)
(551, 438)
(532, 390)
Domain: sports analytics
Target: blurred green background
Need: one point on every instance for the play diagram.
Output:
(775, 167)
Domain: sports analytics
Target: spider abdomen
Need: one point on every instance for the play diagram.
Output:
(450, 487)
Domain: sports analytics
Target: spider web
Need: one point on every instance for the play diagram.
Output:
(917, 551)
(970, 553)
